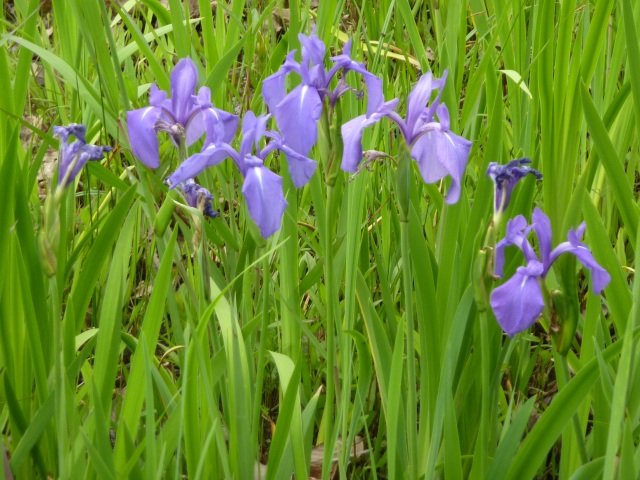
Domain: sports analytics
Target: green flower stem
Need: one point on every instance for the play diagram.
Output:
(331, 314)
(60, 401)
(262, 351)
(563, 378)
(403, 198)
(484, 434)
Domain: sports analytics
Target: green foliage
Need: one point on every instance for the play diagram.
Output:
(155, 343)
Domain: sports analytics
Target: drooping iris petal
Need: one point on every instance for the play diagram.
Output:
(301, 168)
(262, 190)
(600, 276)
(210, 156)
(374, 84)
(184, 79)
(297, 116)
(142, 135)
(439, 153)
(518, 302)
(352, 135)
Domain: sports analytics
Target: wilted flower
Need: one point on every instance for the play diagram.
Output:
(74, 156)
(505, 178)
(198, 197)
(185, 117)
(519, 302)
(262, 188)
(438, 151)
(297, 112)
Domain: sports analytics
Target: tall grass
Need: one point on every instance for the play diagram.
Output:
(164, 344)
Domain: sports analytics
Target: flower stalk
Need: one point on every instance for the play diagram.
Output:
(403, 193)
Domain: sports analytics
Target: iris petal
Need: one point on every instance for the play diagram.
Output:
(142, 135)
(440, 153)
(184, 79)
(518, 302)
(265, 200)
(297, 116)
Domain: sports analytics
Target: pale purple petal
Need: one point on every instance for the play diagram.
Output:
(262, 190)
(184, 79)
(301, 168)
(157, 97)
(352, 136)
(518, 302)
(142, 135)
(440, 153)
(374, 84)
(273, 87)
(417, 101)
(221, 126)
(542, 227)
(600, 276)
(516, 234)
(211, 155)
(297, 116)
(312, 48)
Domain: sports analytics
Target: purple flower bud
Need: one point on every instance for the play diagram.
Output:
(198, 197)
(73, 157)
(505, 178)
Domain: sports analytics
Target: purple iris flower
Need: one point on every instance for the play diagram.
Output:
(518, 302)
(198, 197)
(438, 151)
(74, 156)
(185, 117)
(505, 178)
(298, 111)
(262, 188)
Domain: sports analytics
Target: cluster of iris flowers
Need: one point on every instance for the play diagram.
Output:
(519, 302)
(187, 116)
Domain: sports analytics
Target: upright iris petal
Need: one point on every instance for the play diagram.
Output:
(184, 80)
